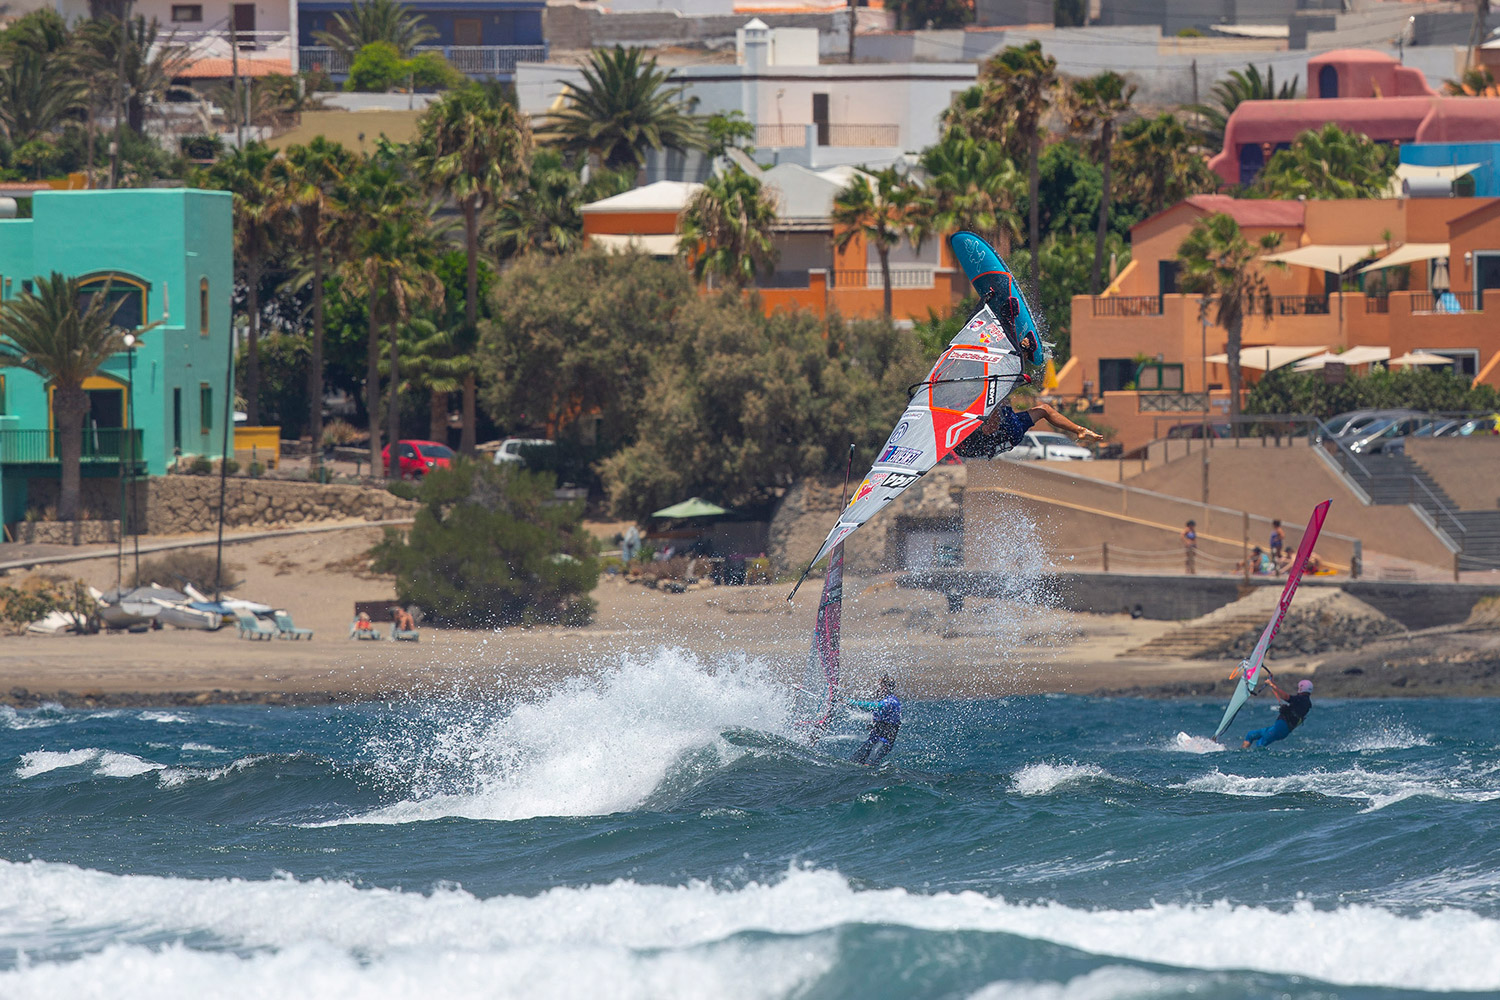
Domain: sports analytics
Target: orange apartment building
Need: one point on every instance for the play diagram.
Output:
(809, 273)
(1145, 334)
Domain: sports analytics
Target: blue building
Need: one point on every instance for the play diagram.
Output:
(482, 38)
(1486, 177)
(168, 255)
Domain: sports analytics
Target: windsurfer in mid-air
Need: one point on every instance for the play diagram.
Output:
(1294, 709)
(1006, 427)
(884, 725)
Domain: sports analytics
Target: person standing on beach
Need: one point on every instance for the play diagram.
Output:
(1278, 541)
(884, 726)
(1190, 545)
(1294, 709)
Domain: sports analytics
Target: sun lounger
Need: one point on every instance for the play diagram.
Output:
(355, 632)
(286, 630)
(404, 634)
(251, 627)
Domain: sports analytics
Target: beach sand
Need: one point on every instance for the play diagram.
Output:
(988, 649)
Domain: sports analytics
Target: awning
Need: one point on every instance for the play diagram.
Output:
(1407, 254)
(656, 245)
(1445, 172)
(1335, 257)
(692, 507)
(1267, 358)
(1412, 358)
(1353, 356)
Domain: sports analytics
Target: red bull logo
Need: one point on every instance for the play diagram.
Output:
(865, 489)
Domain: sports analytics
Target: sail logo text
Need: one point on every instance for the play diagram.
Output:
(900, 456)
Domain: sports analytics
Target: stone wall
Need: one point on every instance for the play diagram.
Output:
(807, 513)
(182, 504)
(99, 496)
(67, 532)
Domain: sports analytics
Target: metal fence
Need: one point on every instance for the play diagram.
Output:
(1296, 305)
(38, 447)
(901, 277)
(778, 135)
(1127, 305)
(1444, 302)
(473, 60)
(1377, 304)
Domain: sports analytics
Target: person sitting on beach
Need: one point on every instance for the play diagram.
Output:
(1005, 428)
(1260, 563)
(1293, 710)
(885, 724)
(362, 627)
(403, 620)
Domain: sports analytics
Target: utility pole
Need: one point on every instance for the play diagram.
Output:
(234, 73)
(853, 17)
(114, 147)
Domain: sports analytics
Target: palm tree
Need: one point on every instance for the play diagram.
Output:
(726, 228)
(245, 173)
(542, 216)
(883, 213)
(474, 151)
(431, 362)
(625, 107)
(1094, 105)
(1227, 94)
(1021, 80)
(1328, 163)
(1222, 264)
(1158, 165)
(376, 21)
(151, 62)
(1477, 81)
(973, 184)
(54, 334)
(38, 93)
(303, 182)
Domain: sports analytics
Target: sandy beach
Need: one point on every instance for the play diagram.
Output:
(991, 648)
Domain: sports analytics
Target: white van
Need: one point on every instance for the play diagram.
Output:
(510, 448)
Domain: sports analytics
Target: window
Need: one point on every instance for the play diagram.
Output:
(187, 12)
(127, 296)
(820, 117)
(2, 393)
(1116, 373)
(1328, 82)
(203, 307)
(177, 421)
(205, 408)
(1158, 377)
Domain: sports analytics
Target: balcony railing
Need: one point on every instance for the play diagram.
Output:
(783, 279)
(40, 447)
(1377, 304)
(1172, 402)
(1295, 305)
(1127, 305)
(473, 60)
(1449, 302)
(901, 277)
(782, 136)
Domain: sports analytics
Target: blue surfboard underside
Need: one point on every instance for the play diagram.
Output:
(983, 267)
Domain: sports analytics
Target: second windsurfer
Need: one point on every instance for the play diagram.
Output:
(1005, 428)
(884, 725)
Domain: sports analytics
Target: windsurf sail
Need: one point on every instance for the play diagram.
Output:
(820, 683)
(977, 371)
(1251, 671)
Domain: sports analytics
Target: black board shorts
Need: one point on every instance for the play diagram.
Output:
(1013, 427)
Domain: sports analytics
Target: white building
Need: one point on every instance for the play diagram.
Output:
(264, 31)
(803, 111)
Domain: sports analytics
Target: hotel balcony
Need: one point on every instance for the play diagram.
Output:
(478, 61)
(779, 136)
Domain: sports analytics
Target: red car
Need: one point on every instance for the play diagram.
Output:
(416, 457)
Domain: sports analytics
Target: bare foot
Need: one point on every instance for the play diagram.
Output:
(1084, 434)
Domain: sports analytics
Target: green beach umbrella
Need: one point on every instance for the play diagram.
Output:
(692, 507)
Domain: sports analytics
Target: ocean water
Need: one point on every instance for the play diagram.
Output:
(652, 830)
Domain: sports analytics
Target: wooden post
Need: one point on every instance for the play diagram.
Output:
(1456, 557)
(1104, 556)
(1245, 544)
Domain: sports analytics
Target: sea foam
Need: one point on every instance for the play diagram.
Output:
(379, 941)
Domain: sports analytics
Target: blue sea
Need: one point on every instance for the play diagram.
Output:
(652, 830)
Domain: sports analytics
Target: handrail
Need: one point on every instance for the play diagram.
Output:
(1440, 505)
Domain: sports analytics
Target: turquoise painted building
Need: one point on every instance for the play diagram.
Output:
(168, 255)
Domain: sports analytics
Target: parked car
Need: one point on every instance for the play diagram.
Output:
(417, 457)
(1049, 445)
(510, 449)
(1387, 434)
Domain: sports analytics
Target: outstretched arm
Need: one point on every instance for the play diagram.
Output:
(1047, 412)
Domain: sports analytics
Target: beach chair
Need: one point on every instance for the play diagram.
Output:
(404, 634)
(355, 632)
(251, 627)
(286, 630)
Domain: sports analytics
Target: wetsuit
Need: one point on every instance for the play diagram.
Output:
(981, 444)
(883, 729)
(1290, 717)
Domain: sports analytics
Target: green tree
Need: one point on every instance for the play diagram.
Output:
(1069, 188)
(63, 337)
(432, 364)
(1094, 106)
(303, 181)
(917, 15)
(376, 68)
(1222, 264)
(1158, 165)
(542, 215)
(151, 62)
(1067, 264)
(1227, 94)
(284, 359)
(1328, 163)
(39, 91)
(1020, 82)
(883, 209)
(726, 131)
(376, 21)
(490, 547)
(474, 152)
(626, 106)
(1476, 81)
(726, 228)
(972, 184)
(245, 173)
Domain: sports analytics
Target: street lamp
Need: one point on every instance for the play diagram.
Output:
(130, 341)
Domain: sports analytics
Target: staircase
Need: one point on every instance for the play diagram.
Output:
(1213, 629)
(1396, 479)
(1480, 539)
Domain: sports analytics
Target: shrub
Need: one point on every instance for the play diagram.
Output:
(491, 547)
(201, 147)
(39, 596)
(341, 433)
(200, 465)
(404, 489)
(231, 466)
(376, 68)
(257, 469)
(430, 71)
(180, 567)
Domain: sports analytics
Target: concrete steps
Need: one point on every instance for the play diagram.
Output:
(1480, 539)
(1213, 629)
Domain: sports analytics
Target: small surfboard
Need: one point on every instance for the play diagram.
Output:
(988, 272)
